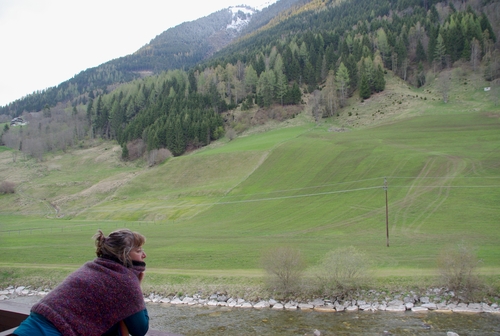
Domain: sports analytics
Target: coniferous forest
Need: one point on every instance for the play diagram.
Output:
(332, 49)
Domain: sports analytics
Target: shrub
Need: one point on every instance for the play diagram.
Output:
(163, 154)
(136, 149)
(285, 267)
(125, 152)
(240, 127)
(342, 271)
(7, 187)
(231, 134)
(157, 156)
(457, 265)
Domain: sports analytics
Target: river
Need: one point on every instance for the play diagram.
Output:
(187, 320)
(197, 321)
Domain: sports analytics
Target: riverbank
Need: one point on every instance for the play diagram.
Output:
(434, 299)
(217, 320)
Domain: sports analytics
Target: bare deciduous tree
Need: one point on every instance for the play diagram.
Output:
(7, 187)
(394, 60)
(152, 154)
(458, 265)
(316, 107)
(163, 154)
(285, 268)
(136, 149)
(329, 95)
(46, 133)
(444, 84)
(34, 148)
(231, 134)
(342, 80)
(157, 156)
(404, 68)
(342, 271)
(475, 54)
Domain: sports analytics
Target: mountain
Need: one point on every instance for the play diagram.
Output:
(180, 47)
(188, 43)
(319, 52)
(428, 137)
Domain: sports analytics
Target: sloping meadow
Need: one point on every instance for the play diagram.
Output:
(313, 187)
(308, 187)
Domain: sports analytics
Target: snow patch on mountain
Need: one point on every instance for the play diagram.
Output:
(241, 17)
(243, 14)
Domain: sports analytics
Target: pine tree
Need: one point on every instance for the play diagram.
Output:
(440, 52)
(267, 83)
(90, 116)
(352, 67)
(125, 154)
(420, 75)
(364, 88)
(466, 53)
(343, 80)
(454, 41)
(379, 80)
(485, 25)
(193, 87)
(260, 65)
(117, 119)
(383, 45)
(251, 79)
(309, 76)
(46, 111)
(281, 86)
(293, 95)
(431, 49)
(179, 142)
(420, 54)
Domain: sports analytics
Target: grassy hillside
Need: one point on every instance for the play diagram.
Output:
(299, 183)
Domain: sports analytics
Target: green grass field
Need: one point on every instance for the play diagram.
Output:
(215, 211)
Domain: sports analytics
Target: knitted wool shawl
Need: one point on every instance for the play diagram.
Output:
(94, 298)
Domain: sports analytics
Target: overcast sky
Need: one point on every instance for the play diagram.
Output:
(45, 42)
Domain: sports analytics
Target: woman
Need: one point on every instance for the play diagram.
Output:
(103, 297)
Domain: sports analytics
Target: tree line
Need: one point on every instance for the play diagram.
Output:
(179, 110)
(345, 47)
(411, 36)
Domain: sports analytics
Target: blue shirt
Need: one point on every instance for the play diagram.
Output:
(37, 325)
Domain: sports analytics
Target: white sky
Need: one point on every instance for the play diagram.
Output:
(45, 42)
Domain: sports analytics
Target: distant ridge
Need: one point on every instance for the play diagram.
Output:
(179, 47)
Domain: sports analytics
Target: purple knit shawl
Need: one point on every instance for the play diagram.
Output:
(93, 298)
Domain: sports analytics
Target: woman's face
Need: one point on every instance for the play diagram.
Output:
(137, 254)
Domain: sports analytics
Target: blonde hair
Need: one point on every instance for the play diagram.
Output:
(118, 244)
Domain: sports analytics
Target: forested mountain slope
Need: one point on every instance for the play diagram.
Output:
(330, 50)
(180, 47)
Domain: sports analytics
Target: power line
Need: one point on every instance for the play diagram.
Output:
(371, 179)
(258, 199)
(446, 186)
(297, 196)
(311, 187)
(441, 177)
(313, 194)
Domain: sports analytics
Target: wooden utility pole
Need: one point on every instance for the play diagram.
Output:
(386, 213)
